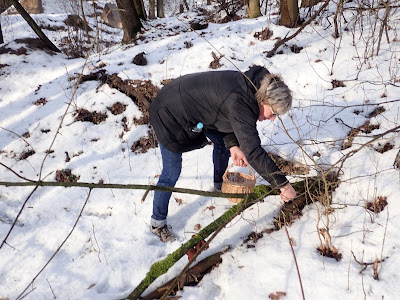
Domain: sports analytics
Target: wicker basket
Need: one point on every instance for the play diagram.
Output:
(237, 183)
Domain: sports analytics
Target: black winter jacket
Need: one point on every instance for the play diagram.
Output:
(221, 100)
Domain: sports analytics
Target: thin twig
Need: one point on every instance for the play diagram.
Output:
(21, 137)
(95, 239)
(16, 219)
(295, 261)
(15, 173)
(146, 193)
(51, 289)
(59, 248)
(365, 264)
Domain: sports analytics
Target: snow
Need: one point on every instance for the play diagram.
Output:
(111, 248)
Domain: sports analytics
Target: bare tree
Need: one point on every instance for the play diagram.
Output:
(160, 9)
(4, 4)
(289, 13)
(253, 9)
(33, 25)
(152, 9)
(141, 11)
(130, 20)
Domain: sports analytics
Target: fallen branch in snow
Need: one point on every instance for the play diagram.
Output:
(194, 274)
(121, 186)
(260, 192)
(284, 40)
(364, 265)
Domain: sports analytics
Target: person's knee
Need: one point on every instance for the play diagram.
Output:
(169, 176)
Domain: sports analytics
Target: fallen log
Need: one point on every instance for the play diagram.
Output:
(193, 276)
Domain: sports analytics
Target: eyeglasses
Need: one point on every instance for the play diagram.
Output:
(273, 114)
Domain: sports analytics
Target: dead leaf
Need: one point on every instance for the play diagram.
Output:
(277, 295)
(197, 227)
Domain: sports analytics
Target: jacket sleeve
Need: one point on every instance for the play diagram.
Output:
(243, 121)
(230, 140)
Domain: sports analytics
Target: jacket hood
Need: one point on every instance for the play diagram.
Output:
(256, 75)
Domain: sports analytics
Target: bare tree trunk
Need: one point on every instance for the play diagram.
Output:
(4, 4)
(1, 34)
(33, 6)
(33, 25)
(253, 9)
(130, 20)
(141, 11)
(160, 9)
(289, 13)
(152, 9)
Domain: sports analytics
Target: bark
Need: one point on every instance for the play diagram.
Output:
(253, 9)
(33, 25)
(141, 11)
(130, 20)
(160, 9)
(194, 274)
(33, 6)
(4, 4)
(1, 34)
(152, 9)
(289, 13)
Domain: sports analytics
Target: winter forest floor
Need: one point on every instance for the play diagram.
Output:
(81, 116)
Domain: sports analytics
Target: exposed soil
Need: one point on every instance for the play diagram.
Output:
(337, 83)
(77, 22)
(367, 127)
(215, 64)
(328, 252)
(19, 51)
(94, 117)
(140, 59)
(66, 175)
(117, 108)
(376, 111)
(288, 167)
(383, 148)
(145, 143)
(142, 92)
(41, 101)
(263, 35)
(26, 154)
(378, 204)
(35, 44)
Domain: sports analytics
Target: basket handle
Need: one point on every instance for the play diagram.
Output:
(231, 164)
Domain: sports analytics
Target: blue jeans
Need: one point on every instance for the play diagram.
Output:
(172, 166)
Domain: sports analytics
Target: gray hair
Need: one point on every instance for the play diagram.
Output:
(273, 91)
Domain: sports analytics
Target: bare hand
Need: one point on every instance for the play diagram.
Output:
(288, 193)
(238, 157)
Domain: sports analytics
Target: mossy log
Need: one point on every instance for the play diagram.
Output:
(313, 185)
(194, 274)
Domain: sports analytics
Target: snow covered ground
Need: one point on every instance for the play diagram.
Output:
(336, 84)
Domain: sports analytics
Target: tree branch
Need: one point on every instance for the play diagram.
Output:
(284, 40)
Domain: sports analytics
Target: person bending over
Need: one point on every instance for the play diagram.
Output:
(223, 106)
